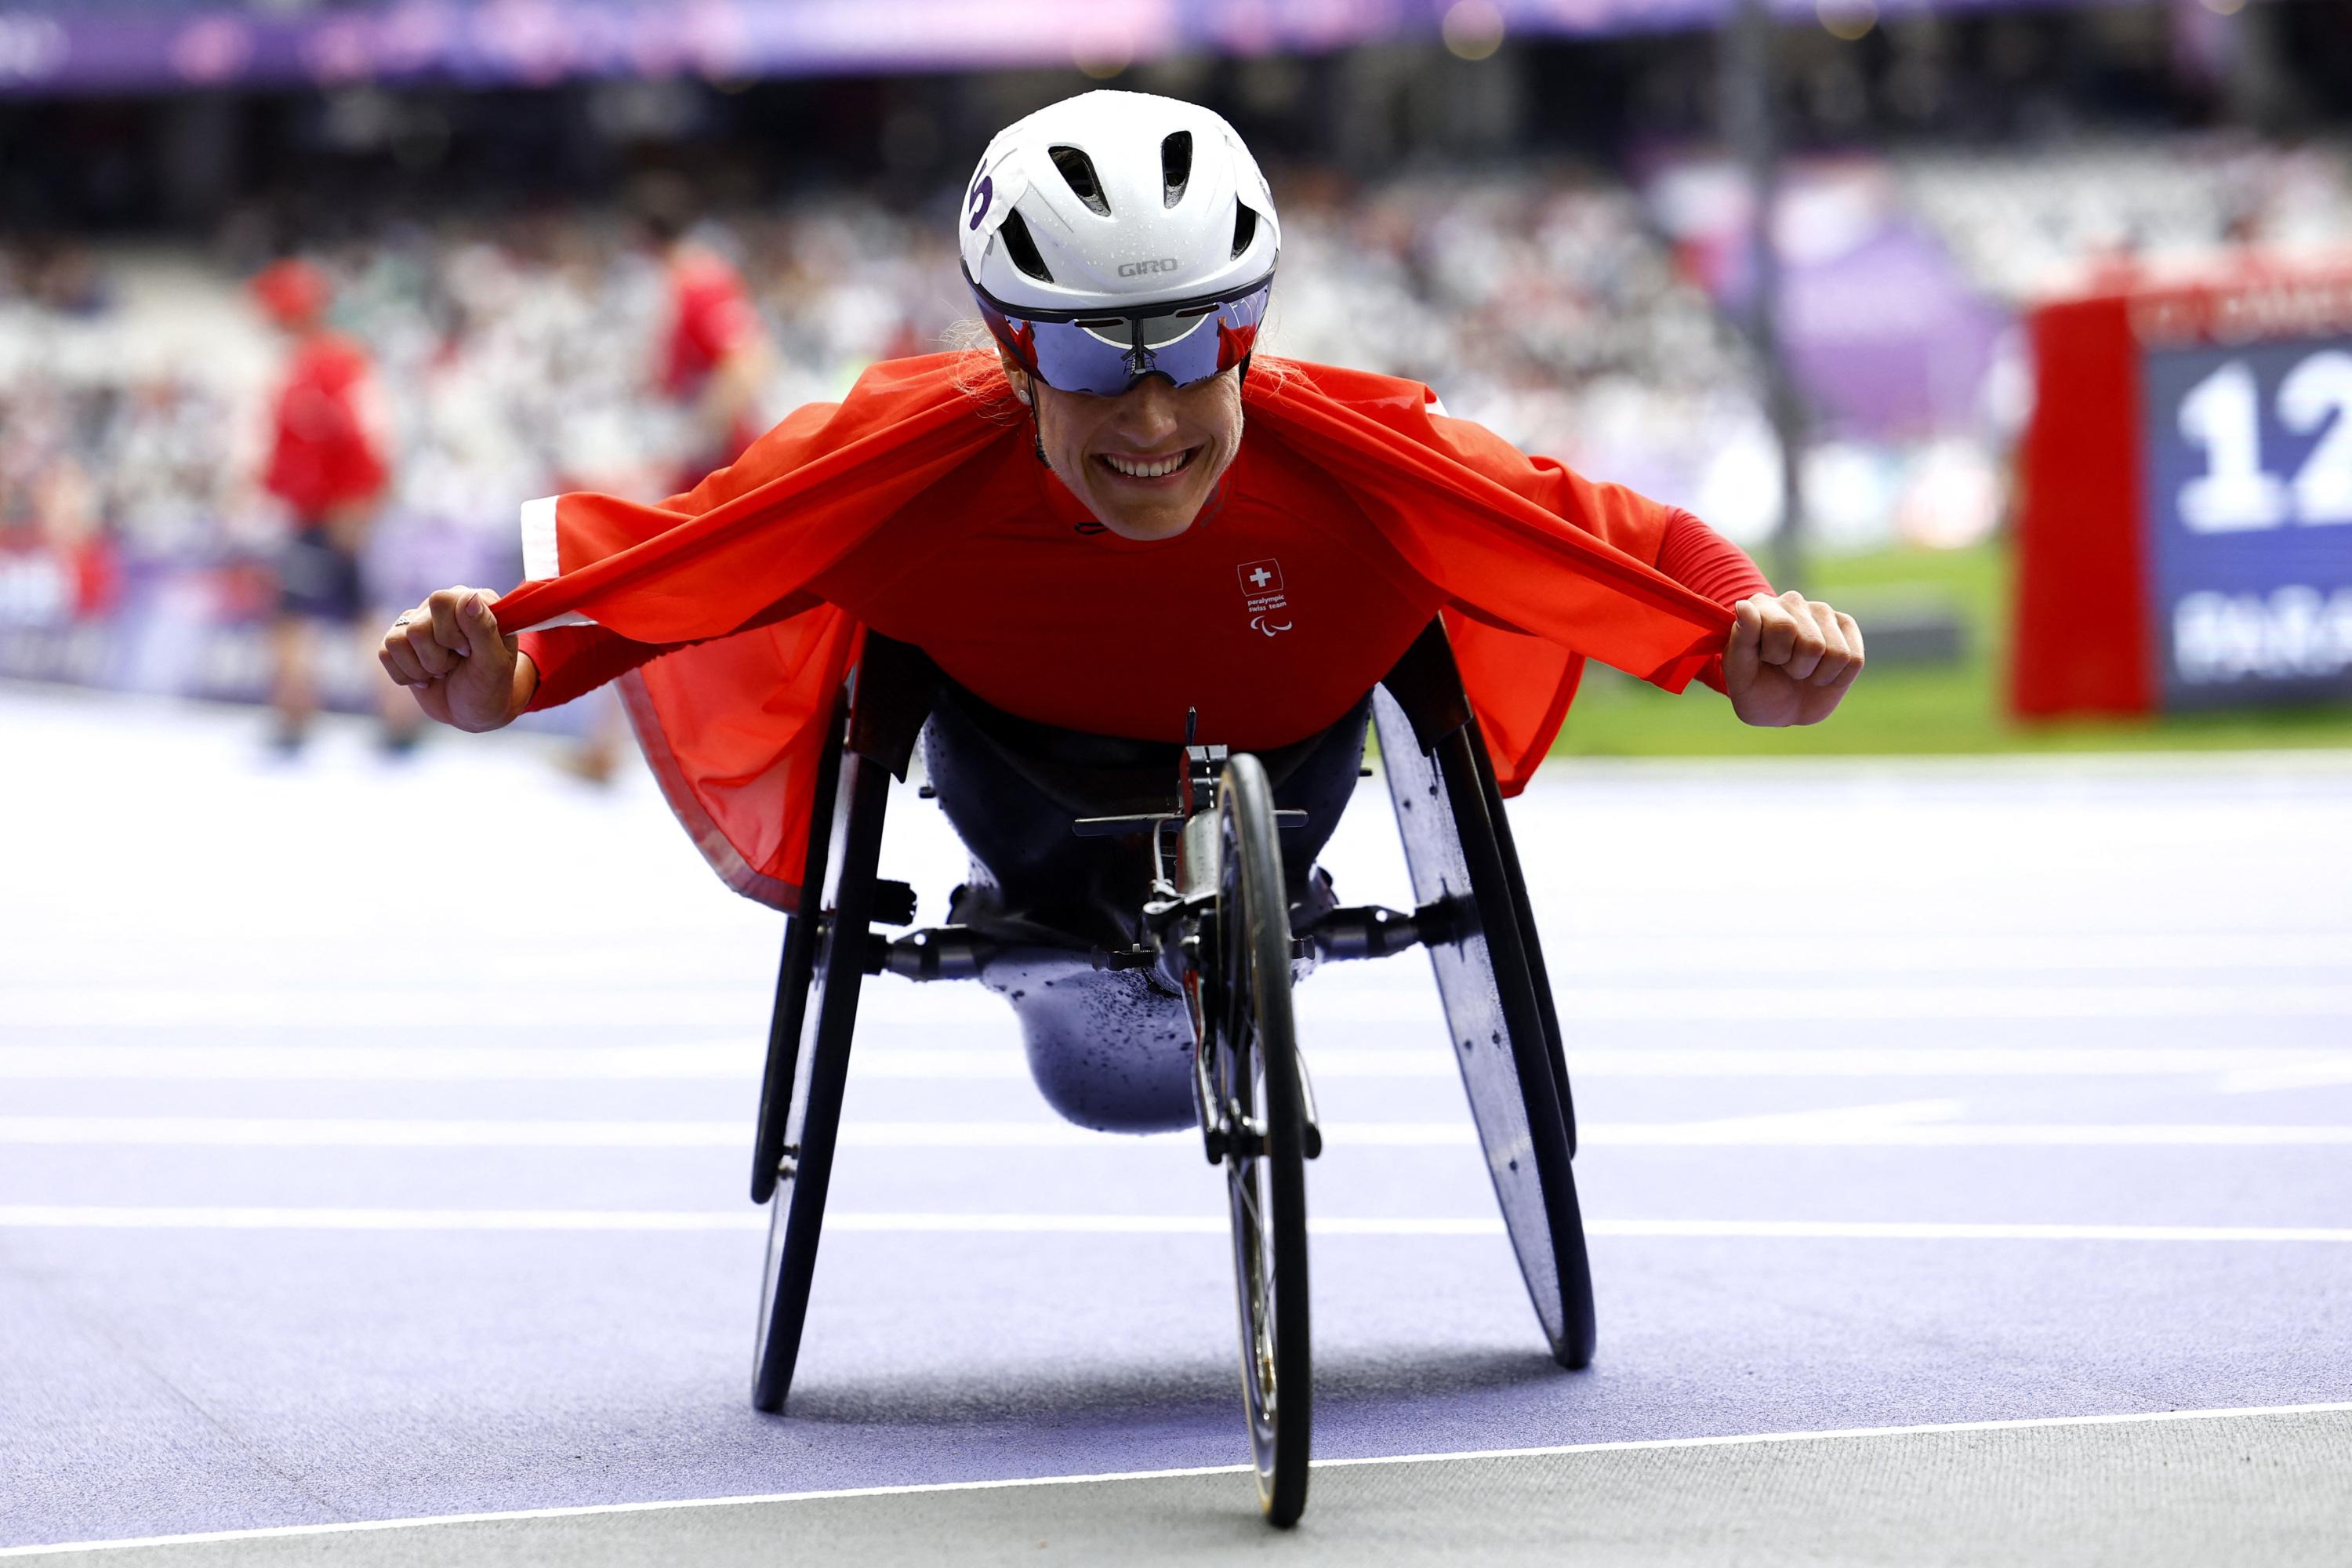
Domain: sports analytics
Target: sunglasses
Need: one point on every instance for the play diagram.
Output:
(1102, 353)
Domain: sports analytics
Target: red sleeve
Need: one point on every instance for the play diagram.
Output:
(575, 660)
(1705, 562)
(1699, 558)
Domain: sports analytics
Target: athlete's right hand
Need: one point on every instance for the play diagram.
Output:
(464, 671)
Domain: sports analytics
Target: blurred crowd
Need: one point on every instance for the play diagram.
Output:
(1541, 303)
(2102, 211)
(514, 357)
(518, 355)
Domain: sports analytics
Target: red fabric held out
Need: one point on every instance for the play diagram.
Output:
(1352, 514)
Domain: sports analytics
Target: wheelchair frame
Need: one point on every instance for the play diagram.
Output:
(1472, 914)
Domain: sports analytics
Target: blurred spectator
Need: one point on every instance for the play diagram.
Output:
(712, 368)
(327, 463)
(715, 358)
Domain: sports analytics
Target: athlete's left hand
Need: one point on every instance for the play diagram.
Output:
(1789, 660)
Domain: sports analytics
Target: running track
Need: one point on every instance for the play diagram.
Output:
(373, 1140)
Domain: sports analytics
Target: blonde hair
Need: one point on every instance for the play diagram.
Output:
(1272, 368)
(979, 374)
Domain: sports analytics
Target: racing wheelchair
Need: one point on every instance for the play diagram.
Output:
(1219, 935)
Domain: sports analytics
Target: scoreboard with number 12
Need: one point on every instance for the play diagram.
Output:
(2185, 539)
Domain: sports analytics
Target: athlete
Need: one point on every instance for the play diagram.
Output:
(1120, 518)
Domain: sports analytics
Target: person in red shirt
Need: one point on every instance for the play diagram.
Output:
(328, 464)
(1119, 521)
(711, 367)
(714, 358)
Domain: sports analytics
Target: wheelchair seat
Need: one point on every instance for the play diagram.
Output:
(1109, 1047)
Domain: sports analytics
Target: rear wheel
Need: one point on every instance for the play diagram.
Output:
(1498, 1008)
(826, 956)
(788, 1019)
(1257, 1076)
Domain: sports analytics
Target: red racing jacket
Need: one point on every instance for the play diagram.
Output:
(1353, 512)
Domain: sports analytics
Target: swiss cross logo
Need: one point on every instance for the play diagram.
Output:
(1263, 597)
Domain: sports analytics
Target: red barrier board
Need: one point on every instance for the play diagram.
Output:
(2185, 537)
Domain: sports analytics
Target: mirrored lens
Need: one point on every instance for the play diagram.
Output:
(1159, 332)
(1103, 357)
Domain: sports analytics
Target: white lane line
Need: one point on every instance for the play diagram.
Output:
(387, 1133)
(1966, 952)
(1947, 1230)
(396, 1064)
(2323, 1074)
(2040, 1135)
(346, 1007)
(381, 1132)
(201, 958)
(738, 1061)
(1629, 1444)
(1839, 1003)
(115, 1007)
(93, 1216)
(1911, 1124)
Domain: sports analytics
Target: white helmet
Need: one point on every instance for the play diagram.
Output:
(1110, 199)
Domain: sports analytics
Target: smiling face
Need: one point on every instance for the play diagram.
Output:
(1146, 461)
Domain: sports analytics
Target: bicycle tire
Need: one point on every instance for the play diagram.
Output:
(1267, 1168)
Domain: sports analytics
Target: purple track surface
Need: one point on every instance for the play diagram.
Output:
(372, 1139)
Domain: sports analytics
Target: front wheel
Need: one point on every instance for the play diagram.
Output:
(1255, 1073)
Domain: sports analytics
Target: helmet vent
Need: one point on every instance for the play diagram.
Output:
(1175, 166)
(1244, 228)
(1079, 171)
(1021, 247)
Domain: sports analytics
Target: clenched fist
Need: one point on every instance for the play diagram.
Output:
(464, 671)
(1789, 660)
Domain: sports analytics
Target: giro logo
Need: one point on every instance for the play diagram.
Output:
(1146, 268)
(981, 194)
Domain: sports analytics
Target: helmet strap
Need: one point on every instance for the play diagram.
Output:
(1037, 428)
(1028, 401)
